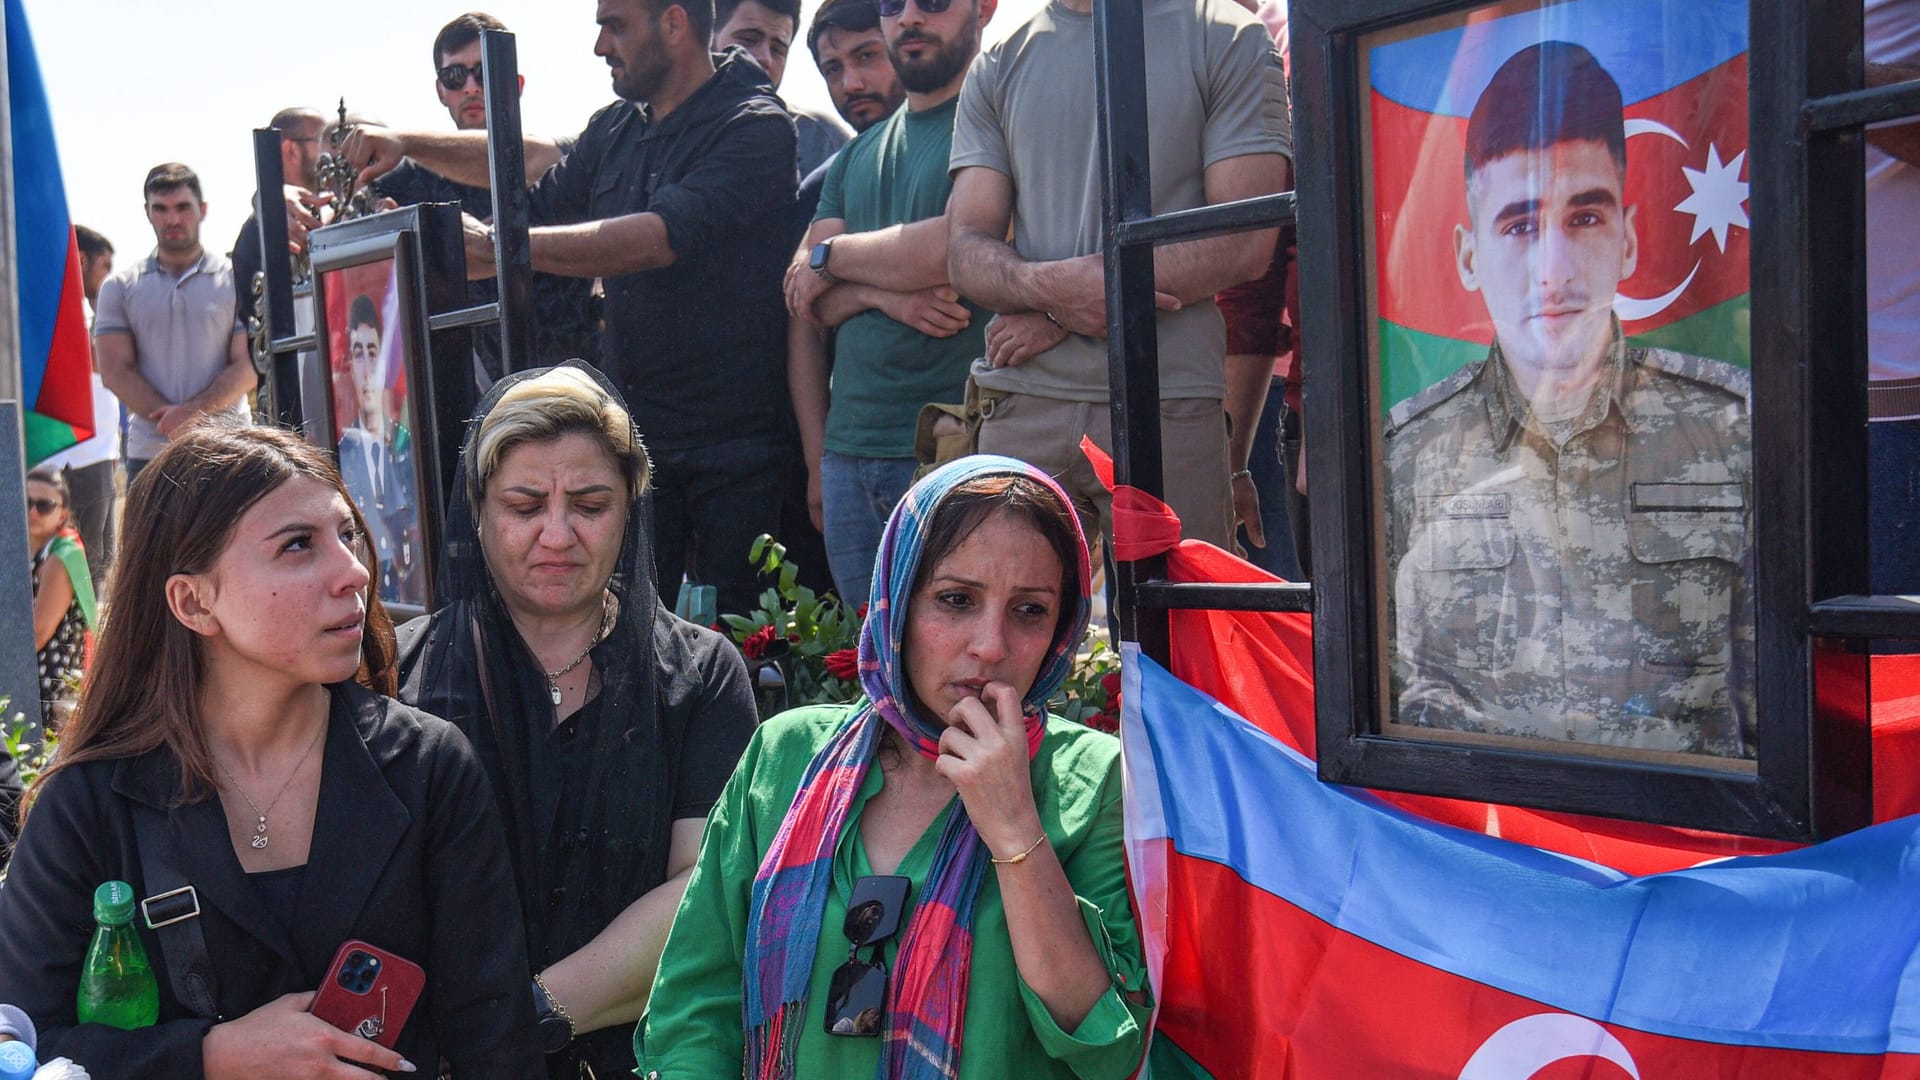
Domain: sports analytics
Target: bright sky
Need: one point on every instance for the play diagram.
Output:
(134, 83)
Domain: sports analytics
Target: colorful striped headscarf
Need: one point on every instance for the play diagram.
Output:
(927, 990)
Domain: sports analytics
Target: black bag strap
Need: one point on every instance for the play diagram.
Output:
(172, 912)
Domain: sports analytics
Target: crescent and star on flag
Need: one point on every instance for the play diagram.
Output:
(1717, 205)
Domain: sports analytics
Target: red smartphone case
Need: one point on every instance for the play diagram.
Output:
(369, 992)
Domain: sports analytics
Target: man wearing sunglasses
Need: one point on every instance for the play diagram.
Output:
(874, 264)
(678, 197)
(1025, 151)
(566, 320)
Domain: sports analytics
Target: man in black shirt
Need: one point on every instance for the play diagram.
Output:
(678, 197)
(566, 316)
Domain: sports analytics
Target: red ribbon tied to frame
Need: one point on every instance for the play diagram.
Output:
(1143, 526)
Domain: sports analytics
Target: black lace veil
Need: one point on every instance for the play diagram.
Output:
(468, 664)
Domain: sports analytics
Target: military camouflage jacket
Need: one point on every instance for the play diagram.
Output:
(1586, 580)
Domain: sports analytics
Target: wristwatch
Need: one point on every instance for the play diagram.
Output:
(817, 260)
(556, 1027)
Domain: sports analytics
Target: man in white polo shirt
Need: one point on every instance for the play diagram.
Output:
(165, 337)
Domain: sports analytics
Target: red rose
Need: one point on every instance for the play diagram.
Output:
(755, 646)
(842, 663)
(862, 612)
(1110, 683)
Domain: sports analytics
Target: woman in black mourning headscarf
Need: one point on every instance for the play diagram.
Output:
(607, 725)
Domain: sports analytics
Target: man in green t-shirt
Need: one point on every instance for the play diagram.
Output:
(874, 264)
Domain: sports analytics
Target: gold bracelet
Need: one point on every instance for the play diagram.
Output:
(1022, 857)
(559, 1010)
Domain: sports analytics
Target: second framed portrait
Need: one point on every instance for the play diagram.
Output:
(371, 341)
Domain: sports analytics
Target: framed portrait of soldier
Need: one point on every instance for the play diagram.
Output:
(371, 344)
(1544, 222)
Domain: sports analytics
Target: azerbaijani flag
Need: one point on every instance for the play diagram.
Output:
(56, 366)
(1682, 71)
(1300, 930)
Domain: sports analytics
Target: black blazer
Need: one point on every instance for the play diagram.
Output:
(407, 854)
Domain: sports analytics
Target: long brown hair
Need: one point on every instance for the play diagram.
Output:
(142, 688)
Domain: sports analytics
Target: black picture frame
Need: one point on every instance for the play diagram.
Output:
(416, 251)
(1810, 773)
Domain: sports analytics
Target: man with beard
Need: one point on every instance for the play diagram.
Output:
(676, 197)
(852, 57)
(764, 28)
(164, 334)
(566, 318)
(1568, 519)
(1026, 156)
(875, 266)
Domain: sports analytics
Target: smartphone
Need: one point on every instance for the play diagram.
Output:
(370, 992)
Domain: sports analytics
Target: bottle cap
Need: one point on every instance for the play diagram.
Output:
(113, 903)
(16, 1061)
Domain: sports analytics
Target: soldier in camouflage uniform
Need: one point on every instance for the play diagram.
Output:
(1568, 519)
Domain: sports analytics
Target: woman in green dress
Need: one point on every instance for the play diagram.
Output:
(975, 877)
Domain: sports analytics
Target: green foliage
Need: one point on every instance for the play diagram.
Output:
(14, 737)
(1091, 693)
(800, 630)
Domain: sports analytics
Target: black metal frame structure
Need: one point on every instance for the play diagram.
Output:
(1813, 775)
(443, 371)
(1142, 594)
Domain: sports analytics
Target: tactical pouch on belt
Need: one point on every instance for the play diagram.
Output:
(946, 432)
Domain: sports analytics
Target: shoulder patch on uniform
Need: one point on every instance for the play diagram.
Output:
(1700, 369)
(1402, 414)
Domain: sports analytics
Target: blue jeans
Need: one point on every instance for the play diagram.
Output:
(1270, 479)
(1893, 505)
(857, 494)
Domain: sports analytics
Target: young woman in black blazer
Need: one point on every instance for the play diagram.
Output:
(232, 701)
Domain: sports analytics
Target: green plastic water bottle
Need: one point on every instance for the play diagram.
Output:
(117, 987)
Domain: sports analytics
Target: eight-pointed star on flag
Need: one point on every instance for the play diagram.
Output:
(1719, 197)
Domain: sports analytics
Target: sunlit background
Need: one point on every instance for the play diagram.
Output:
(136, 82)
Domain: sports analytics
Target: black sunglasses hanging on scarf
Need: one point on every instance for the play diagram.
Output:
(857, 997)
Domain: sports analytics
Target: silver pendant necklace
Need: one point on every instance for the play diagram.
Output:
(258, 841)
(606, 623)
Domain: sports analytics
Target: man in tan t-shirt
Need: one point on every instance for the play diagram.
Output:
(1026, 155)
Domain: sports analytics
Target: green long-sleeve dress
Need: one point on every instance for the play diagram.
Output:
(693, 1029)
